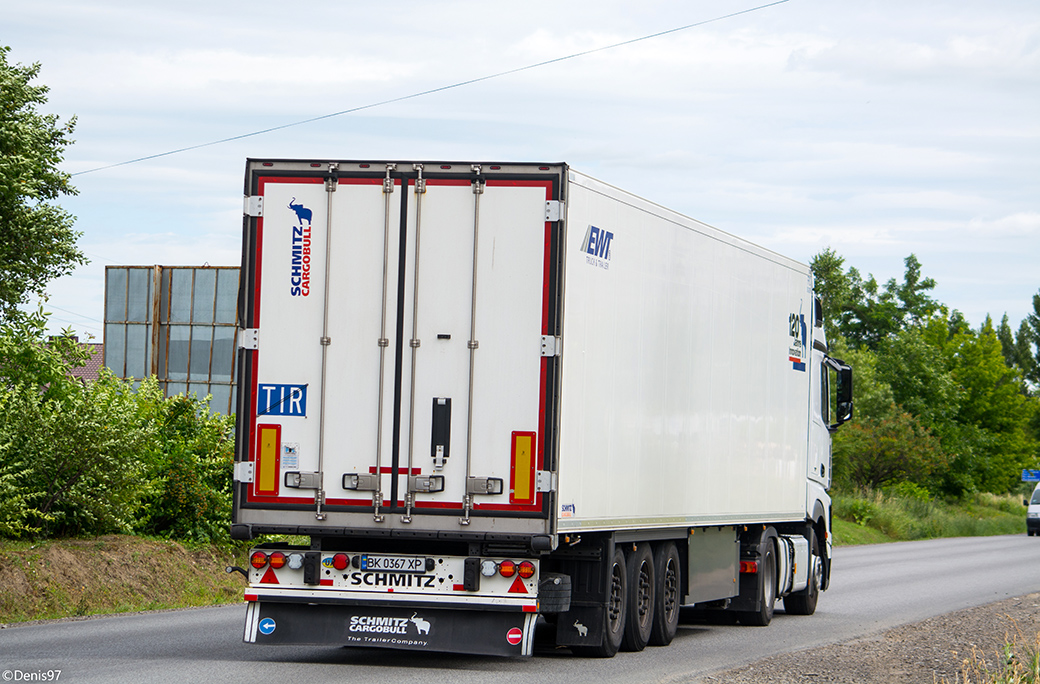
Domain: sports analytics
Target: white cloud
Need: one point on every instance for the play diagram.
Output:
(877, 128)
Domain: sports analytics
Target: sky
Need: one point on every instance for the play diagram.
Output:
(876, 128)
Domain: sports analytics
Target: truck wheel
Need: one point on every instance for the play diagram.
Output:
(766, 588)
(804, 602)
(667, 594)
(640, 609)
(614, 619)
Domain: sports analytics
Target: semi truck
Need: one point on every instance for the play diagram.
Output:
(474, 398)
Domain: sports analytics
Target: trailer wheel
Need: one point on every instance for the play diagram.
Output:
(614, 619)
(766, 588)
(640, 609)
(804, 602)
(667, 594)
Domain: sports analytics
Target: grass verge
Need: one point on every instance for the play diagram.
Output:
(112, 574)
(874, 517)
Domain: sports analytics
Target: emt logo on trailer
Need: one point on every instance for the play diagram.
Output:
(281, 400)
(596, 247)
(300, 269)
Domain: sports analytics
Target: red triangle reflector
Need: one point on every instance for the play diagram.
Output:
(269, 577)
(518, 586)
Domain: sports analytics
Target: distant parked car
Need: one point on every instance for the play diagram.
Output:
(1033, 512)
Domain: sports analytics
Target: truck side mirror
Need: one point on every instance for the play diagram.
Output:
(843, 405)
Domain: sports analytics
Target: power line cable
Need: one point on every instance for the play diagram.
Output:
(431, 91)
(74, 313)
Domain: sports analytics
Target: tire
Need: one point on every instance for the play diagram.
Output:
(667, 594)
(554, 593)
(766, 588)
(641, 592)
(804, 602)
(614, 616)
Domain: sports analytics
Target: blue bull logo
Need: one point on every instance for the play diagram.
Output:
(302, 212)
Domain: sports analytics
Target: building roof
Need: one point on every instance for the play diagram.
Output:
(92, 368)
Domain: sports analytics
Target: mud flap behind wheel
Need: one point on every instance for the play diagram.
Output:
(449, 631)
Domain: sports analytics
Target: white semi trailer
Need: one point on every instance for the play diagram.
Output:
(492, 392)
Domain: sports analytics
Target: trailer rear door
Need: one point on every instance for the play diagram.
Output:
(405, 318)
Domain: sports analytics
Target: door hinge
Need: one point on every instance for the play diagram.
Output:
(249, 338)
(243, 471)
(545, 481)
(253, 206)
(553, 210)
(551, 346)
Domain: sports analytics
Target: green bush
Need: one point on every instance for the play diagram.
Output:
(72, 458)
(190, 488)
(98, 457)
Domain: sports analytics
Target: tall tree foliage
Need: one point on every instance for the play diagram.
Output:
(37, 241)
(940, 404)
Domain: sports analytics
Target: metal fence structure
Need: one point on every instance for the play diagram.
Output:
(178, 323)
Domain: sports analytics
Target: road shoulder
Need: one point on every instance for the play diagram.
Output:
(925, 651)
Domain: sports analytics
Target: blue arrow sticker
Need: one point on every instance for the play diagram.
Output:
(266, 626)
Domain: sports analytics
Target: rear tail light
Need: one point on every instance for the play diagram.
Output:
(340, 561)
(525, 569)
(277, 560)
(258, 559)
(507, 568)
(748, 567)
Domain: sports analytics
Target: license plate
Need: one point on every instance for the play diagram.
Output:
(393, 563)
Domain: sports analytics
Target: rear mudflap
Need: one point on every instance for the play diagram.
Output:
(449, 631)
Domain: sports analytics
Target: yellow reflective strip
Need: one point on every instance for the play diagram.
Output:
(523, 467)
(267, 466)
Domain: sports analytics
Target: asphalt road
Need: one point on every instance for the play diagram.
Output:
(874, 588)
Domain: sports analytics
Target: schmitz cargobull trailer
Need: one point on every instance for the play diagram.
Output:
(492, 392)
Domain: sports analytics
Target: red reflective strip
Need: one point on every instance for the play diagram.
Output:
(530, 609)
(251, 597)
(326, 583)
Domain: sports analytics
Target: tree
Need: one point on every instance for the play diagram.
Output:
(37, 242)
(877, 452)
(918, 375)
(1007, 343)
(833, 287)
(864, 312)
(1029, 342)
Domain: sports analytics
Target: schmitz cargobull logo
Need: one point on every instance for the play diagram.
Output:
(364, 624)
(300, 269)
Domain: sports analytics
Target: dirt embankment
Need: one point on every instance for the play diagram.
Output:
(73, 577)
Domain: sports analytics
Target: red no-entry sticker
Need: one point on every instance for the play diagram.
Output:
(515, 636)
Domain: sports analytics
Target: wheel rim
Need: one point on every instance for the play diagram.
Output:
(616, 598)
(817, 578)
(769, 585)
(670, 599)
(645, 593)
